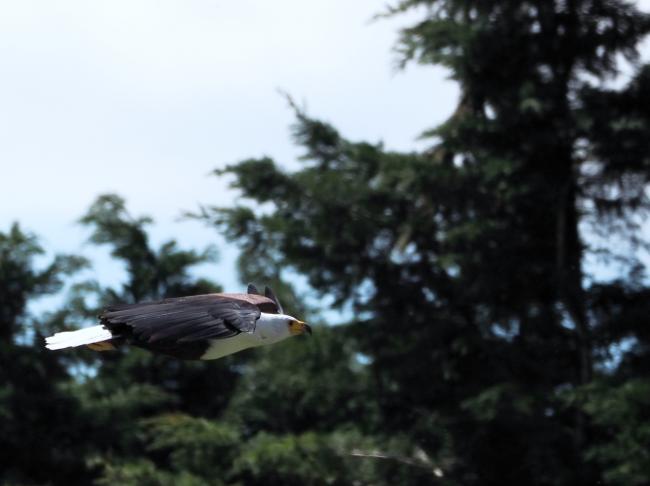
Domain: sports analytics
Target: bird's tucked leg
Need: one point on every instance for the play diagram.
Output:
(102, 346)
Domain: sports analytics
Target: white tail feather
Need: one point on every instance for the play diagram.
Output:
(71, 339)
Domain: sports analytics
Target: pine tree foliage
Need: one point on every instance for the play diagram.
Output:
(34, 412)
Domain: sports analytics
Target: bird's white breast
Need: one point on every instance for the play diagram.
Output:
(223, 347)
(269, 329)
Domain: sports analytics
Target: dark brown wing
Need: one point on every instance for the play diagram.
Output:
(263, 303)
(182, 320)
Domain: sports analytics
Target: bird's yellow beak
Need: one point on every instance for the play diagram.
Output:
(298, 327)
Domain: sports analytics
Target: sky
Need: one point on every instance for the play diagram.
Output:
(145, 98)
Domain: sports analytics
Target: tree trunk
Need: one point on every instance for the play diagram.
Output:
(571, 292)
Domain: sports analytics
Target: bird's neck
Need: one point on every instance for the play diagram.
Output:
(272, 328)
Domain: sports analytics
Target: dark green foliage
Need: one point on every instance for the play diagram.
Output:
(621, 419)
(34, 412)
(299, 386)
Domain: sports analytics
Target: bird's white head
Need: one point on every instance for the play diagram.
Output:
(276, 327)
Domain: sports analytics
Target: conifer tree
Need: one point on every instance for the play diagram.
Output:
(489, 336)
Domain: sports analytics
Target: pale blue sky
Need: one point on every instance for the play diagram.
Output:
(144, 98)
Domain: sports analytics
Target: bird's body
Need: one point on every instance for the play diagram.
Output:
(270, 329)
(196, 327)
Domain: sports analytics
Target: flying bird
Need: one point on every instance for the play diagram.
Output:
(196, 327)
